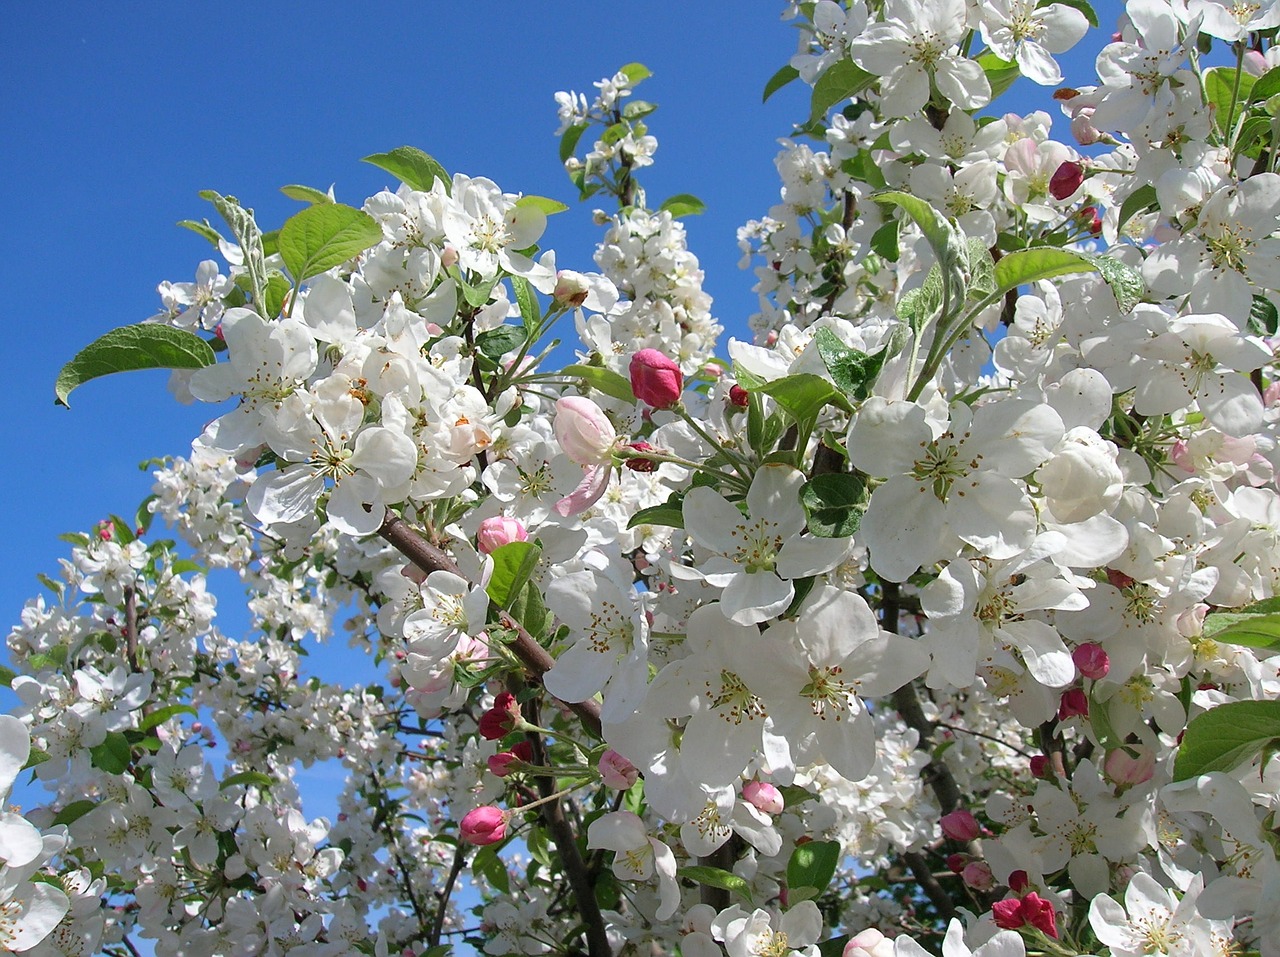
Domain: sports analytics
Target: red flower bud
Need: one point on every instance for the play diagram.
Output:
(738, 396)
(960, 825)
(1092, 661)
(957, 862)
(640, 465)
(1039, 765)
(500, 720)
(1066, 180)
(1008, 913)
(1038, 912)
(1074, 704)
(500, 763)
(1018, 881)
(978, 876)
(655, 379)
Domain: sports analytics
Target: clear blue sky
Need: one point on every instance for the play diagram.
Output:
(116, 115)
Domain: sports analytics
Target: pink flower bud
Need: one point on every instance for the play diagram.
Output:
(638, 464)
(978, 876)
(1128, 769)
(1018, 881)
(1066, 180)
(485, 825)
(739, 396)
(655, 379)
(1092, 661)
(1083, 130)
(1074, 704)
(501, 719)
(960, 826)
(1091, 220)
(957, 862)
(498, 531)
(584, 432)
(1039, 765)
(616, 771)
(448, 257)
(571, 288)
(763, 796)
(500, 763)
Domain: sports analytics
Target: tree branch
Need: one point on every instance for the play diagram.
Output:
(459, 859)
(536, 660)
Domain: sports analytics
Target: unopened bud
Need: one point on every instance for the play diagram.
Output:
(448, 257)
(498, 531)
(616, 771)
(1129, 769)
(1039, 766)
(978, 876)
(484, 825)
(763, 796)
(960, 825)
(957, 862)
(1066, 180)
(640, 464)
(739, 396)
(501, 719)
(1092, 660)
(655, 379)
(571, 288)
(1074, 704)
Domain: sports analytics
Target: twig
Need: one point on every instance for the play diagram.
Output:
(929, 884)
(532, 655)
(459, 859)
(131, 628)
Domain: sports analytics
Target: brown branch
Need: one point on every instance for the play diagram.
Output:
(580, 882)
(131, 628)
(459, 859)
(929, 884)
(536, 660)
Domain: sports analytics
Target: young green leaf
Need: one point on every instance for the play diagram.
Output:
(841, 81)
(247, 234)
(834, 504)
(813, 864)
(411, 166)
(1040, 262)
(780, 79)
(202, 228)
(605, 380)
(635, 72)
(496, 343)
(1254, 626)
(1001, 74)
(513, 563)
(1140, 200)
(569, 141)
(142, 346)
(323, 236)
(715, 877)
(683, 204)
(1126, 282)
(1227, 736)
(549, 207)
(306, 194)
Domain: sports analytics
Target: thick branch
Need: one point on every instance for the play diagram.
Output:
(399, 534)
(929, 884)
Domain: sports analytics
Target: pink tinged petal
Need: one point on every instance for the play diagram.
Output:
(963, 82)
(595, 479)
(753, 597)
(287, 496)
(712, 521)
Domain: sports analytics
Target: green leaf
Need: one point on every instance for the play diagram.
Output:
(669, 513)
(1254, 626)
(530, 610)
(715, 877)
(637, 109)
(852, 370)
(323, 236)
(605, 380)
(161, 715)
(569, 141)
(843, 80)
(7, 675)
(1100, 721)
(943, 238)
(1263, 319)
(1081, 5)
(884, 241)
(1227, 736)
(253, 779)
(530, 311)
(1253, 133)
(635, 72)
(202, 228)
(1126, 282)
(804, 395)
(549, 207)
(1266, 86)
(306, 194)
(277, 292)
(73, 812)
(1001, 74)
(1039, 262)
(249, 237)
(36, 756)
(1140, 200)
(683, 204)
(496, 343)
(813, 864)
(834, 503)
(490, 866)
(833, 946)
(411, 166)
(142, 346)
(513, 563)
(1224, 97)
(780, 79)
(113, 754)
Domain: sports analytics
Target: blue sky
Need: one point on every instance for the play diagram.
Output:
(116, 115)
